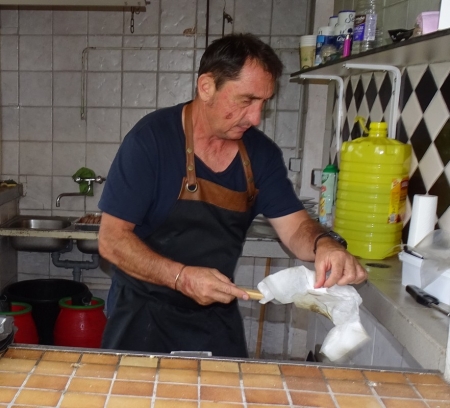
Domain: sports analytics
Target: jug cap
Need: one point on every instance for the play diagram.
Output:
(378, 129)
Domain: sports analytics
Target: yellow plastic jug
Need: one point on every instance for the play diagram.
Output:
(371, 193)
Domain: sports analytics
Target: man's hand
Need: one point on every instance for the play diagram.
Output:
(207, 285)
(345, 268)
(298, 232)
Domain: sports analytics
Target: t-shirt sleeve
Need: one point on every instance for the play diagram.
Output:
(130, 184)
(277, 196)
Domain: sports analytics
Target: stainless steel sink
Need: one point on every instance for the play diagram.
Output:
(22, 242)
(88, 246)
(44, 223)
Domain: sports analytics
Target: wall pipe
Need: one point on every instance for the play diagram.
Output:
(397, 80)
(77, 266)
(340, 84)
(207, 24)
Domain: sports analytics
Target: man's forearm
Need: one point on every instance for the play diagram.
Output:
(134, 257)
(301, 243)
(298, 232)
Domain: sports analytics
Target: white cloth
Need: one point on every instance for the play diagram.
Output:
(339, 303)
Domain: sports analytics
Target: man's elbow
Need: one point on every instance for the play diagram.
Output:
(104, 248)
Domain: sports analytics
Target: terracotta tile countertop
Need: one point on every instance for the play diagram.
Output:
(75, 378)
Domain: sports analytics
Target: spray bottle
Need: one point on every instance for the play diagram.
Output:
(328, 195)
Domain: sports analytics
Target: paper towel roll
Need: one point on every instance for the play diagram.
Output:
(423, 218)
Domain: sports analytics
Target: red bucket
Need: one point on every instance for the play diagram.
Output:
(23, 320)
(80, 326)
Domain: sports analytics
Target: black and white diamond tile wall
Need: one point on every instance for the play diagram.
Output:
(424, 122)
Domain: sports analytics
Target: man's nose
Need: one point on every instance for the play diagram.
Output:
(254, 114)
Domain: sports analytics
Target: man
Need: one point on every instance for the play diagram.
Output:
(181, 193)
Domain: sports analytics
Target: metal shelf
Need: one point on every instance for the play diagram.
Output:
(76, 3)
(426, 49)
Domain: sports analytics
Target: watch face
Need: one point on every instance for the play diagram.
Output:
(338, 238)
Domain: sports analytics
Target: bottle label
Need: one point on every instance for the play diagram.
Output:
(397, 205)
(327, 199)
(365, 27)
(340, 39)
(358, 31)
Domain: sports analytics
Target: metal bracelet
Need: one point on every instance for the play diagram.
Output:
(176, 278)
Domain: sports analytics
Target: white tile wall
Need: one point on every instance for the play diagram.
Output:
(103, 125)
(69, 22)
(31, 22)
(67, 126)
(35, 88)
(9, 53)
(35, 124)
(9, 88)
(67, 89)
(10, 123)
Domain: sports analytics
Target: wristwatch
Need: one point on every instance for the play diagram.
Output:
(330, 234)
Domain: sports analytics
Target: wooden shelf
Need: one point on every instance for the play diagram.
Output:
(426, 49)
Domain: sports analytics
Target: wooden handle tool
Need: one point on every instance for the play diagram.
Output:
(254, 294)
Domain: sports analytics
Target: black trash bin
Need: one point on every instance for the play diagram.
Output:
(43, 295)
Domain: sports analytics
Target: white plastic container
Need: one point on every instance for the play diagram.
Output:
(414, 273)
(307, 51)
(346, 17)
(410, 269)
(428, 21)
(325, 30)
(333, 20)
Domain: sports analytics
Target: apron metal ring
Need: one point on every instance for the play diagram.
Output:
(193, 188)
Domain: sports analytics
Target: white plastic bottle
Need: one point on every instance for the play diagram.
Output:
(367, 33)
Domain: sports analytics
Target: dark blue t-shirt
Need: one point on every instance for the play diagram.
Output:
(145, 178)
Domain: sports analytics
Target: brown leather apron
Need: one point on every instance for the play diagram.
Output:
(206, 227)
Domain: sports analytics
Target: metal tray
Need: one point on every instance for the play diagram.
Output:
(87, 227)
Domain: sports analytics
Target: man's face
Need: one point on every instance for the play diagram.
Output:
(238, 104)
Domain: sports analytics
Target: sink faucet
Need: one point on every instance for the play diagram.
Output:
(98, 179)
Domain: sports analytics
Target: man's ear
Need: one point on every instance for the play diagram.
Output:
(206, 87)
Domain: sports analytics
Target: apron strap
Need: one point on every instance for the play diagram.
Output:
(190, 158)
(251, 190)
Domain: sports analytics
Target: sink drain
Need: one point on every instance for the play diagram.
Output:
(378, 265)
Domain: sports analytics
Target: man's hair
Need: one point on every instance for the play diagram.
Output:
(225, 57)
